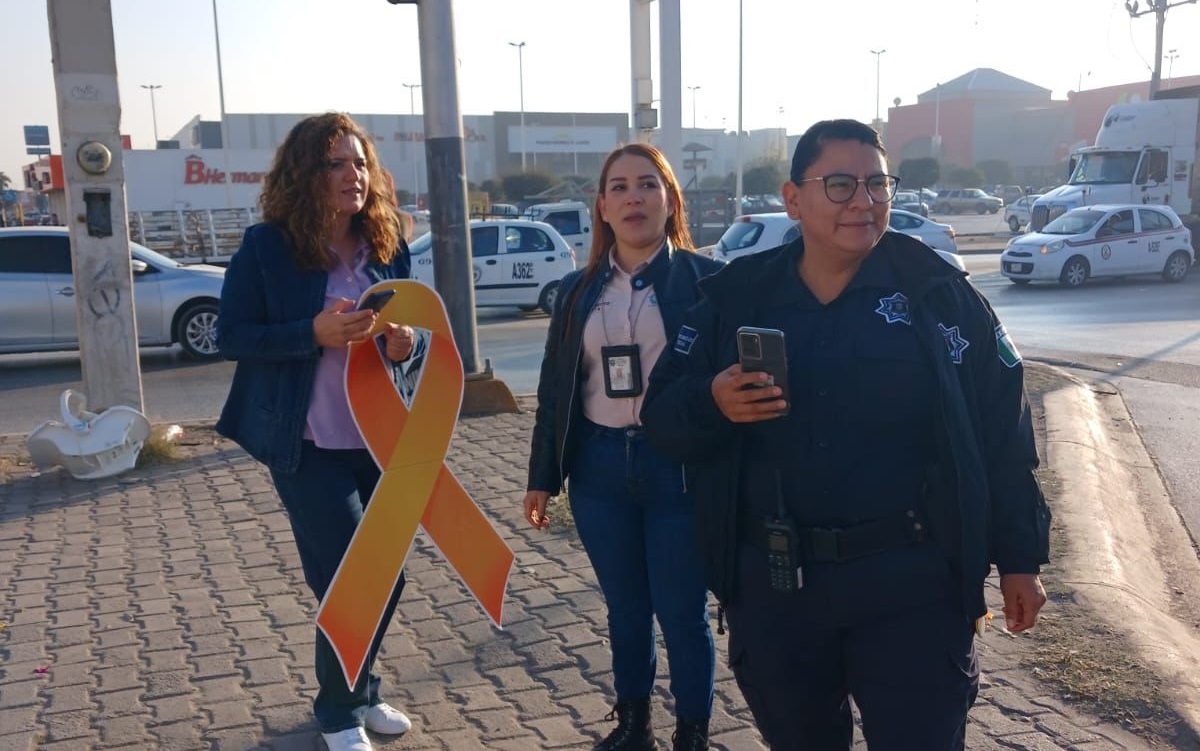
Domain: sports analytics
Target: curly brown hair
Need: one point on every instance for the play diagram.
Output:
(295, 196)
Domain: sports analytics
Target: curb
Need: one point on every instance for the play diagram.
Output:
(1128, 556)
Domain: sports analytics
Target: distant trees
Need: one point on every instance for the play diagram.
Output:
(520, 186)
(493, 188)
(764, 178)
(966, 177)
(995, 172)
(919, 173)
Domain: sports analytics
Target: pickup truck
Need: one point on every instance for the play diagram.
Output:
(967, 199)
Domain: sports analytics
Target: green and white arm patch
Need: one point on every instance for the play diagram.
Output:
(1006, 349)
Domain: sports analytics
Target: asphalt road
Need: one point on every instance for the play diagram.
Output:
(1140, 333)
(1138, 328)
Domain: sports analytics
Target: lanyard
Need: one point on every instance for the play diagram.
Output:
(636, 314)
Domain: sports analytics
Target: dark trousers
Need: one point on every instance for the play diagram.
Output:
(325, 498)
(638, 528)
(886, 630)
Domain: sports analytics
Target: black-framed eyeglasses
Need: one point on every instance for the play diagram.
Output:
(840, 188)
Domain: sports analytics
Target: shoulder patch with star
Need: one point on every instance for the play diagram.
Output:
(955, 342)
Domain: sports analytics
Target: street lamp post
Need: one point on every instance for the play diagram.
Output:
(521, 79)
(878, 54)
(1171, 55)
(412, 110)
(221, 96)
(154, 112)
(693, 89)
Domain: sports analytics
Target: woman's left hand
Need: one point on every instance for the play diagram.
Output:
(1024, 597)
(400, 340)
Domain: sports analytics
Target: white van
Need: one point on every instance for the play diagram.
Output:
(572, 220)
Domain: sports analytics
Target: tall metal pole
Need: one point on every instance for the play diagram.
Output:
(693, 89)
(1171, 55)
(737, 206)
(412, 111)
(521, 78)
(221, 95)
(446, 167)
(154, 111)
(878, 54)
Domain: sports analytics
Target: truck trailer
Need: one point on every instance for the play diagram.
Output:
(1145, 152)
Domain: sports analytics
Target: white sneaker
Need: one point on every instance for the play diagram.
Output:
(354, 739)
(386, 720)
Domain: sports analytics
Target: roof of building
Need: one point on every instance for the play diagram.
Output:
(985, 80)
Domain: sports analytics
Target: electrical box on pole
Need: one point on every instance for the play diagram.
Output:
(89, 117)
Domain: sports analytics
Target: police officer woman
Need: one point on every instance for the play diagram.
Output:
(849, 538)
(629, 501)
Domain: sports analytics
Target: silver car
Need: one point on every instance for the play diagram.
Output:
(173, 302)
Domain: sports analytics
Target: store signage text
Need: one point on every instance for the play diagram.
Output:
(197, 173)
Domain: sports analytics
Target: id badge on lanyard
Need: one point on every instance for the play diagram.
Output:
(622, 371)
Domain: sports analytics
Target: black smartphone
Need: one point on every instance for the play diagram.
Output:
(763, 350)
(376, 300)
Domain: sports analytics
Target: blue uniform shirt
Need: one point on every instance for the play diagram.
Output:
(864, 400)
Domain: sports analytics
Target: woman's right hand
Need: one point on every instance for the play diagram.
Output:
(732, 390)
(339, 324)
(535, 508)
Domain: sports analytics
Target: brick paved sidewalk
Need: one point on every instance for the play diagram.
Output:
(166, 609)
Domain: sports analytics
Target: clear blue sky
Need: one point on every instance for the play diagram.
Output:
(811, 60)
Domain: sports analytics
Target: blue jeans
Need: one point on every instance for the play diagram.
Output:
(325, 498)
(638, 528)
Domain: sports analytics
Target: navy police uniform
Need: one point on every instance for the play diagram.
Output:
(904, 468)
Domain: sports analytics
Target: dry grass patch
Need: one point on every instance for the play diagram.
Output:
(1074, 652)
(160, 448)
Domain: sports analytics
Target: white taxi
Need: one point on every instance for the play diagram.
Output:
(1102, 240)
(515, 262)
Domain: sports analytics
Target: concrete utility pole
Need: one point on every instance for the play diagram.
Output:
(645, 117)
(1159, 8)
(89, 117)
(670, 72)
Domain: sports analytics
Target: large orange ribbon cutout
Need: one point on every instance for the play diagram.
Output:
(409, 445)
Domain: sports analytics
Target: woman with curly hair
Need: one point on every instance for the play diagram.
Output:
(330, 229)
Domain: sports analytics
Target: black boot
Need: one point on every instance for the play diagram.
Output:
(690, 735)
(633, 732)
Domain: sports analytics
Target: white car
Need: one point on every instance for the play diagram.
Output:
(173, 302)
(1017, 213)
(937, 235)
(1102, 240)
(515, 262)
(751, 233)
(757, 232)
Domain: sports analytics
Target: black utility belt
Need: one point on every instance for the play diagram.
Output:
(840, 544)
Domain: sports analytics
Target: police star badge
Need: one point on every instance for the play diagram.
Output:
(894, 309)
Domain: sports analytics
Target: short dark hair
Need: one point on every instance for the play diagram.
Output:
(810, 145)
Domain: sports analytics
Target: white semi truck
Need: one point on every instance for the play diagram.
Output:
(1145, 152)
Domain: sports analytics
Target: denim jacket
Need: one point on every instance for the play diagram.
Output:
(266, 324)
